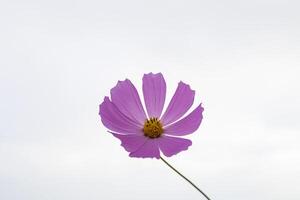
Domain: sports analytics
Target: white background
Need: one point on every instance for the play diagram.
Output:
(60, 58)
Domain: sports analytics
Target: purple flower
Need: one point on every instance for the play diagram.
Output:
(146, 135)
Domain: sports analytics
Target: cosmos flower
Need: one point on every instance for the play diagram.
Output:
(146, 134)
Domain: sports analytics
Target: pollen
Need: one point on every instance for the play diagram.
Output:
(153, 128)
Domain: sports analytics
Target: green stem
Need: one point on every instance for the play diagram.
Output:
(185, 178)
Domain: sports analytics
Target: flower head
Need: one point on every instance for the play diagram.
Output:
(145, 135)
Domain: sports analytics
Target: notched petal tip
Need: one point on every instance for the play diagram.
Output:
(130, 142)
(183, 149)
(151, 74)
(114, 120)
(119, 84)
(181, 83)
(180, 103)
(149, 149)
(186, 125)
(173, 145)
(143, 156)
(105, 99)
(125, 96)
(201, 107)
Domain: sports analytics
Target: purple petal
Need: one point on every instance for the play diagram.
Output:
(180, 103)
(116, 121)
(131, 142)
(148, 150)
(154, 90)
(187, 125)
(125, 96)
(172, 145)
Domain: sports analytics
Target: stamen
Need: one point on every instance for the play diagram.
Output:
(153, 128)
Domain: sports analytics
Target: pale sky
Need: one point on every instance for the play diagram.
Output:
(60, 58)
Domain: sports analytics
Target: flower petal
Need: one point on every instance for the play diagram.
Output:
(125, 96)
(148, 150)
(173, 145)
(180, 103)
(154, 90)
(114, 120)
(131, 142)
(187, 125)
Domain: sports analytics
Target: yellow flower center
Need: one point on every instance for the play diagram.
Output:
(153, 128)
